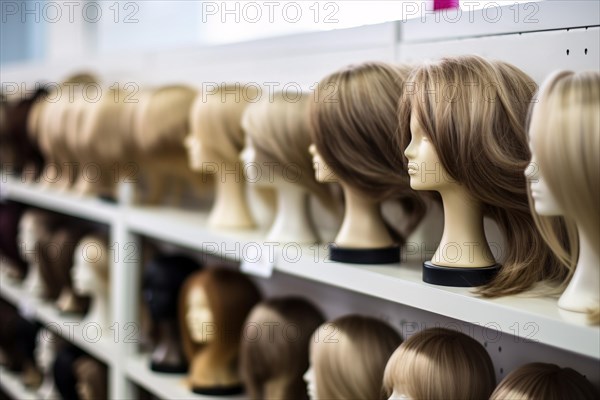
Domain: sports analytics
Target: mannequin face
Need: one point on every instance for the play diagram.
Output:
(44, 351)
(543, 200)
(83, 274)
(199, 155)
(160, 299)
(258, 172)
(323, 173)
(424, 166)
(199, 317)
(311, 387)
(27, 240)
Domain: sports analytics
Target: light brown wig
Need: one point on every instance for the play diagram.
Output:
(354, 125)
(274, 348)
(348, 356)
(544, 381)
(230, 295)
(440, 364)
(474, 112)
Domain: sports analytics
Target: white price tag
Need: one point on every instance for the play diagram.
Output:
(258, 260)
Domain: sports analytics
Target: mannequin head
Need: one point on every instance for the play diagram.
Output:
(91, 379)
(216, 133)
(544, 381)
(161, 118)
(90, 272)
(323, 172)
(163, 277)
(35, 228)
(213, 305)
(348, 357)
(47, 345)
(272, 365)
(277, 131)
(484, 107)
(565, 141)
(354, 132)
(461, 366)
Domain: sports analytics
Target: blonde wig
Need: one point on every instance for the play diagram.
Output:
(274, 348)
(565, 131)
(230, 296)
(474, 112)
(544, 381)
(91, 377)
(348, 356)
(216, 117)
(354, 124)
(440, 364)
(279, 131)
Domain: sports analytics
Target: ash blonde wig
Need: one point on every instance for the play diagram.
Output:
(544, 381)
(215, 119)
(354, 127)
(231, 296)
(474, 112)
(440, 364)
(274, 348)
(161, 118)
(348, 356)
(565, 131)
(279, 131)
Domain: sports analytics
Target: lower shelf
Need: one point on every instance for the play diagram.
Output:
(165, 386)
(12, 386)
(70, 327)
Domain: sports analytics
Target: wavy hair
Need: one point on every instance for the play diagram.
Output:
(474, 112)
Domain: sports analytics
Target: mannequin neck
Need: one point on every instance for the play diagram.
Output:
(363, 225)
(168, 349)
(210, 368)
(583, 293)
(230, 209)
(292, 222)
(463, 243)
(99, 307)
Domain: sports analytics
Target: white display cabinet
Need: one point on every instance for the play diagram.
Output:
(514, 329)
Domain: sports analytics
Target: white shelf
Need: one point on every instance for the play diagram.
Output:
(165, 386)
(34, 194)
(13, 387)
(514, 315)
(71, 327)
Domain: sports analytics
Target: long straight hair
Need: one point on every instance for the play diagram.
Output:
(565, 127)
(474, 112)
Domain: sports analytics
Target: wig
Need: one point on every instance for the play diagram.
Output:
(278, 129)
(22, 150)
(565, 130)
(230, 295)
(440, 364)
(544, 381)
(91, 377)
(348, 356)
(354, 124)
(215, 119)
(273, 362)
(10, 215)
(474, 112)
